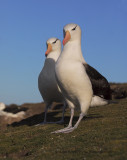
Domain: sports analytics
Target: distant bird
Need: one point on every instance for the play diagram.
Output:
(47, 81)
(81, 85)
(2, 106)
(3, 112)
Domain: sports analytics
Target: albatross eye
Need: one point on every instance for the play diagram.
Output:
(74, 28)
(54, 41)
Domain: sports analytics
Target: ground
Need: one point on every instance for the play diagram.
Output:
(102, 134)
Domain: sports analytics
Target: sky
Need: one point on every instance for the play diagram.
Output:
(25, 26)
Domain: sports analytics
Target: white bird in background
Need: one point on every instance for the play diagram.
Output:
(81, 85)
(46, 81)
(7, 115)
(2, 106)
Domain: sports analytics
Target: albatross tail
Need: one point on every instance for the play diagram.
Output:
(98, 101)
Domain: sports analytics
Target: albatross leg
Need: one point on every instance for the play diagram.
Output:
(62, 119)
(70, 129)
(69, 125)
(45, 116)
(76, 125)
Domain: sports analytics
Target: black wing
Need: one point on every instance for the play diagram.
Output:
(100, 84)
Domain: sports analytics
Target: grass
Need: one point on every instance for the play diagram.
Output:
(102, 135)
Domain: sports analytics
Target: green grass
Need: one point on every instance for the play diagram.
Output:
(102, 135)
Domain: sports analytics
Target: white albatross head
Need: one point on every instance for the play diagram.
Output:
(72, 32)
(53, 45)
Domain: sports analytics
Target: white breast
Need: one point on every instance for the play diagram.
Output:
(73, 80)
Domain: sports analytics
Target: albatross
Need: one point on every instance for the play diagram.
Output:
(81, 85)
(47, 84)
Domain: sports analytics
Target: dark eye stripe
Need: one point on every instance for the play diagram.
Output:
(54, 41)
(63, 33)
(74, 28)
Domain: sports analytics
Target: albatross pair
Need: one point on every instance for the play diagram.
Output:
(81, 85)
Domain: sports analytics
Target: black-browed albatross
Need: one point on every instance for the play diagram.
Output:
(81, 85)
(46, 81)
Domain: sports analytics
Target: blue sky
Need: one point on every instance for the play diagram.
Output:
(25, 25)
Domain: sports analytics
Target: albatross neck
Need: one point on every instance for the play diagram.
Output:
(73, 50)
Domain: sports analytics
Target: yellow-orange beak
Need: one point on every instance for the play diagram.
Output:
(49, 49)
(67, 37)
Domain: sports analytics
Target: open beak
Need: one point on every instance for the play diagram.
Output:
(67, 37)
(49, 49)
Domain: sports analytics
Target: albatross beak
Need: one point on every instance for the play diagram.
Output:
(49, 49)
(67, 37)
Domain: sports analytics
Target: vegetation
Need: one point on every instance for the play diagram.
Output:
(101, 135)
